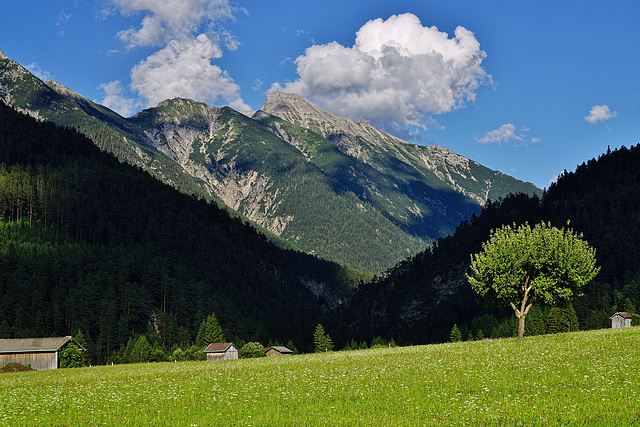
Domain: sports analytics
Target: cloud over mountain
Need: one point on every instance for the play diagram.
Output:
(397, 72)
(188, 33)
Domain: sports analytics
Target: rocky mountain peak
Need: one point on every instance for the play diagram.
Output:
(3, 56)
(294, 109)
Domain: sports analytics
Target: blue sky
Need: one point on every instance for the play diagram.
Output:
(527, 88)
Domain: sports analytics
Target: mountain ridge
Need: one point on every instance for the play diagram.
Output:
(382, 199)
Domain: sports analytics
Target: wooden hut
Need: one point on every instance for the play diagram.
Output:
(621, 319)
(278, 351)
(221, 351)
(39, 353)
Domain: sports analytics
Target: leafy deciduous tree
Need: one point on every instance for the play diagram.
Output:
(526, 265)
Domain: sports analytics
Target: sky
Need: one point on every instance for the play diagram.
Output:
(529, 88)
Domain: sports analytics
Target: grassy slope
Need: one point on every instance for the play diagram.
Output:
(565, 379)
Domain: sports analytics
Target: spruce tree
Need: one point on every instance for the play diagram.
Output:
(321, 340)
(455, 335)
(210, 331)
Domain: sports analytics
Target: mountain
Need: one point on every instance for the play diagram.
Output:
(421, 298)
(339, 189)
(88, 243)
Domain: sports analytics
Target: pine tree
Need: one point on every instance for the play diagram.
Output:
(321, 340)
(455, 335)
(210, 331)
(141, 351)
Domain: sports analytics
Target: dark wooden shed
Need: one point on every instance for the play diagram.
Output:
(278, 351)
(221, 351)
(39, 353)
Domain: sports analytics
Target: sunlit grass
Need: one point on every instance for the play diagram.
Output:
(565, 379)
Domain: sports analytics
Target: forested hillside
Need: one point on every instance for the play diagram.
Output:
(88, 243)
(423, 297)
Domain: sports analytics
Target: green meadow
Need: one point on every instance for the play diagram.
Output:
(583, 378)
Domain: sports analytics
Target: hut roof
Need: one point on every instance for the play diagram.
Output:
(622, 314)
(281, 349)
(218, 347)
(35, 345)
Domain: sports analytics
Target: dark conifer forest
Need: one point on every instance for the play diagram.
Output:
(89, 244)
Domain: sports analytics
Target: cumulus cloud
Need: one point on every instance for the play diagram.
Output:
(600, 113)
(116, 100)
(166, 20)
(396, 73)
(508, 133)
(184, 68)
(190, 38)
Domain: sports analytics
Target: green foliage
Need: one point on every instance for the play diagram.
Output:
(354, 345)
(322, 342)
(71, 357)
(562, 318)
(521, 266)
(252, 349)
(210, 332)
(455, 335)
(379, 342)
(291, 346)
(86, 358)
(536, 322)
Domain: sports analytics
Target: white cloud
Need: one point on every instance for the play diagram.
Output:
(116, 100)
(189, 37)
(167, 20)
(184, 69)
(38, 72)
(396, 73)
(62, 19)
(508, 133)
(600, 113)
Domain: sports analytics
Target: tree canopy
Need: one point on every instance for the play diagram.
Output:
(522, 266)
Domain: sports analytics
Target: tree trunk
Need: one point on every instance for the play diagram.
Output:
(521, 327)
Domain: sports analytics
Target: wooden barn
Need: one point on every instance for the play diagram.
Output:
(621, 319)
(221, 351)
(39, 353)
(278, 351)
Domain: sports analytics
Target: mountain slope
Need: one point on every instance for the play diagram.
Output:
(601, 199)
(340, 189)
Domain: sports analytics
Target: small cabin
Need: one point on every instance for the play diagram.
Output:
(621, 319)
(221, 351)
(39, 353)
(278, 351)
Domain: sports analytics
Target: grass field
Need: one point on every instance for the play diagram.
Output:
(584, 378)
